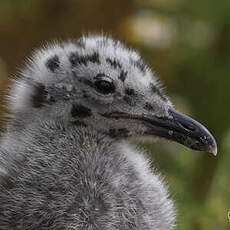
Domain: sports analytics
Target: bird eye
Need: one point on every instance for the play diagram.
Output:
(104, 85)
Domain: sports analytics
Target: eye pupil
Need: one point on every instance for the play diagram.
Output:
(104, 86)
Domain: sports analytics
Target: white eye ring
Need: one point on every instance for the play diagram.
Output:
(103, 84)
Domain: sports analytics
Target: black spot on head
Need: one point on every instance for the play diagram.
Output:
(129, 91)
(148, 107)
(157, 90)
(76, 59)
(123, 132)
(114, 63)
(129, 100)
(53, 63)
(80, 111)
(94, 58)
(114, 133)
(123, 75)
(140, 65)
(39, 96)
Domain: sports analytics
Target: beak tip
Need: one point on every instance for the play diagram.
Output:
(212, 149)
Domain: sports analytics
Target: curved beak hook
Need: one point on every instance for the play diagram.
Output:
(182, 129)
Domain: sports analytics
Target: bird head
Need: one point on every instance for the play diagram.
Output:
(98, 82)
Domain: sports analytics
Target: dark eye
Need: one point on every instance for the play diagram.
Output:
(104, 85)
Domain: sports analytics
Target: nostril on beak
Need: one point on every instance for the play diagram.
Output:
(187, 127)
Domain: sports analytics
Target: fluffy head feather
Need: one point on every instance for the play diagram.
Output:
(61, 81)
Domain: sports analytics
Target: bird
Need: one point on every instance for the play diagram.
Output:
(65, 158)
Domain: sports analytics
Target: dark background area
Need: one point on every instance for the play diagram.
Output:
(187, 43)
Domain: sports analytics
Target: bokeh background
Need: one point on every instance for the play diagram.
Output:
(187, 43)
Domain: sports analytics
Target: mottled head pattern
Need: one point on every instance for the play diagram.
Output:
(85, 80)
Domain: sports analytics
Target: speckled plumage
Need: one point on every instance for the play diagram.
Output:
(64, 164)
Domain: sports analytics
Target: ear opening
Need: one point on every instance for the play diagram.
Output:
(39, 95)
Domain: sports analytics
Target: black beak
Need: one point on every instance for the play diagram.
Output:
(182, 129)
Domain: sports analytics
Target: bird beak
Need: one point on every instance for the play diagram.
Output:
(182, 129)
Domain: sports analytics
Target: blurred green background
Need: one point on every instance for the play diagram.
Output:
(187, 43)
